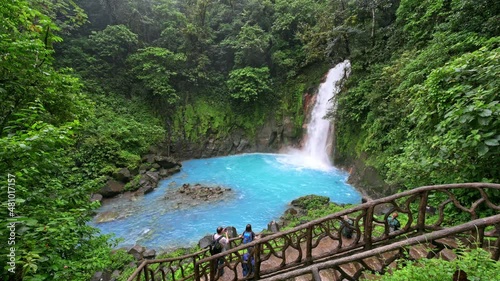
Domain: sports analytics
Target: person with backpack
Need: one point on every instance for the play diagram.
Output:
(393, 222)
(346, 226)
(218, 244)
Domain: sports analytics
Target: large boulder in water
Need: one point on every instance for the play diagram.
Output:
(112, 188)
(137, 251)
(96, 197)
(205, 241)
(148, 182)
(188, 195)
(231, 232)
(273, 227)
(122, 175)
(106, 216)
(166, 162)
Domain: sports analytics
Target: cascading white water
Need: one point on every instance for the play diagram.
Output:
(317, 140)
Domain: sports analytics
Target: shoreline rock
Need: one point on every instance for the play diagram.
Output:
(187, 195)
(153, 169)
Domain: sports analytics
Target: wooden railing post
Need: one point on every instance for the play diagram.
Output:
(422, 211)
(214, 264)
(368, 225)
(196, 270)
(257, 253)
(309, 237)
(146, 276)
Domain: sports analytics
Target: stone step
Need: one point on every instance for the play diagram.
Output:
(385, 262)
(351, 269)
(329, 274)
(421, 251)
(447, 255)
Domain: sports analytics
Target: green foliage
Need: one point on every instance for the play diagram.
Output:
(56, 243)
(249, 84)
(126, 273)
(251, 46)
(201, 118)
(120, 259)
(57, 144)
(204, 118)
(116, 136)
(157, 68)
(133, 184)
(38, 131)
(456, 109)
(420, 18)
(315, 209)
(311, 201)
(476, 263)
(427, 115)
(114, 43)
(27, 78)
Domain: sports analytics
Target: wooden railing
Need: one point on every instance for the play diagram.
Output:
(318, 242)
(396, 250)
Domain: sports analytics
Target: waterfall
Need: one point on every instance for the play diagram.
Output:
(317, 144)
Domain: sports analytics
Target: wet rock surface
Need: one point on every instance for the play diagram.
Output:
(189, 195)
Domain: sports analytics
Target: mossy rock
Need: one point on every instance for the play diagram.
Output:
(134, 184)
(310, 202)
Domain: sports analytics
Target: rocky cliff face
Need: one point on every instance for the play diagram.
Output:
(272, 136)
(276, 134)
(364, 177)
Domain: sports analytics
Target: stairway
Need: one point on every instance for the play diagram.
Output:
(386, 262)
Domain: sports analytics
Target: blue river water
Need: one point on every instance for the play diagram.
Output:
(262, 184)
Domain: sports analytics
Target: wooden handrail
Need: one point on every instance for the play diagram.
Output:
(424, 238)
(371, 232)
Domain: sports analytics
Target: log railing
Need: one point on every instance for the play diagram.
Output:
(315, 243)
(359, 258)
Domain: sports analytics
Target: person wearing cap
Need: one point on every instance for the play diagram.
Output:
(224, 241)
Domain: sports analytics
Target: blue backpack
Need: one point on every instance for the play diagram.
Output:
(247, 237)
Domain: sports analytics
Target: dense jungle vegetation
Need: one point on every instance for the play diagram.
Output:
(88, 86)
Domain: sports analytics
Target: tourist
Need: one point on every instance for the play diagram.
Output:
(248, 264)
(248, 236)
(393, 222)
(224, 241)
(346, 226)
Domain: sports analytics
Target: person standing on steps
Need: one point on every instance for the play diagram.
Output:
(219, 244)
(393, 222)
(248, 236)
(346, 226)
(248, 262)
